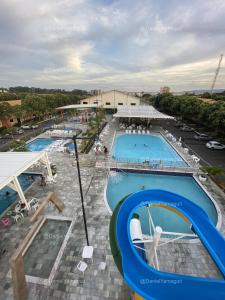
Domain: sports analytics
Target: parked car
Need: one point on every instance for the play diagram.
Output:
(201, 137)
(25, 127)
(215, 145)
(34, 126)
(20, 131)
(178, 124)
(186, 128)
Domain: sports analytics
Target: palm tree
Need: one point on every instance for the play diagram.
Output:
(18, 113)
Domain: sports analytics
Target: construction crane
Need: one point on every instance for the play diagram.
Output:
(217, 73)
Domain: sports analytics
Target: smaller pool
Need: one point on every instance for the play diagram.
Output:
(8, 196)
(121, 184)
(39, 144)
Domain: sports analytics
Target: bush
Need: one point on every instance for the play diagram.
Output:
(18, 146)
(212, 170)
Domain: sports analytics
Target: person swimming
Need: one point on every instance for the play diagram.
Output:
(143, 187)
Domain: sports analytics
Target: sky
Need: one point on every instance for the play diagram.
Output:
(106, 44)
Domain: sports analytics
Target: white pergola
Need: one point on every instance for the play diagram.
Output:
(12, 164)
(142, 111)
(77, 106)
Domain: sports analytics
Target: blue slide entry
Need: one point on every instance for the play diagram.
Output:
(153, 284)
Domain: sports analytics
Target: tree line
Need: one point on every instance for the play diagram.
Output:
(26, 89)
(37, 105)
(210, 115)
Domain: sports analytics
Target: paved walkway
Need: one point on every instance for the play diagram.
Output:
(96, 284)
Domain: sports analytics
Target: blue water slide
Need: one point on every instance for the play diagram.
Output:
(154, 284)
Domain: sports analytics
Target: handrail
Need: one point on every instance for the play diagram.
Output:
(122, 165)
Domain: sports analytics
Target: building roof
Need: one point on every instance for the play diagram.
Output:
(12, 102)
(206, 100)
(142, 111)
(77, 106)
(14, 163)
(110, 92)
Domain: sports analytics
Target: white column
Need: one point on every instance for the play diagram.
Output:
(156, 239)
(12, 186)
(46, 162)
(20, 191)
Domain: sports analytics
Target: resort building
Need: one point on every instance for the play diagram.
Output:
(10, 121)
(112, 99)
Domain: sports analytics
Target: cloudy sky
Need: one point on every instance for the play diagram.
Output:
(106, 44)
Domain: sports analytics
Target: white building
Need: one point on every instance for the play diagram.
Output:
(112, 99)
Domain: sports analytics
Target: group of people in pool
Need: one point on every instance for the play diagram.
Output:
(145, 145)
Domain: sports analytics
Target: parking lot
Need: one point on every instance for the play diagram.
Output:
(207, 156)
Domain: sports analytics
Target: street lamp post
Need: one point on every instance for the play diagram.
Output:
(80, 184)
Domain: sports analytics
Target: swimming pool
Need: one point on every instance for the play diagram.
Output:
(39, 144)
(70, 146)
(8, 196)
(140, 148)
(121, 184)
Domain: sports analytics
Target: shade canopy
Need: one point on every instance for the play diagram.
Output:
(142, 111)
(77, 106)
(12, 164)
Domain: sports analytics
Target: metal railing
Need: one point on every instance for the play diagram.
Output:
(155, 237)
(108, 162)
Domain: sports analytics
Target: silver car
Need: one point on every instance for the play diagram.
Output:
(215, 145)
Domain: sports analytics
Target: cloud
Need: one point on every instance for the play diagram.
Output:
(132, 45)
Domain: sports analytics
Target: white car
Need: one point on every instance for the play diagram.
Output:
(215, 145)
(201, 137)
(25, 127)
(35, 126)
(20, 131)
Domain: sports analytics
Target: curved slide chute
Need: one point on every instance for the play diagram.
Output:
(149, 282)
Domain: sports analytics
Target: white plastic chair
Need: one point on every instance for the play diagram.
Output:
(33, 201)
(102, 266)
(35, 206)
(17, 217)
(82, 266)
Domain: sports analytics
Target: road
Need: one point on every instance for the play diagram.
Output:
(207, 156)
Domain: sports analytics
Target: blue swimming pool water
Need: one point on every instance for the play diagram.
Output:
(139, 148)
(126, 183)
(70, 146)
(7, 200)
(39, 144)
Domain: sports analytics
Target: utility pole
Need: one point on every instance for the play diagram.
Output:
(216, 74)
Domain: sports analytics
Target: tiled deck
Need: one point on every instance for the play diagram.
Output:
(96, 284)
